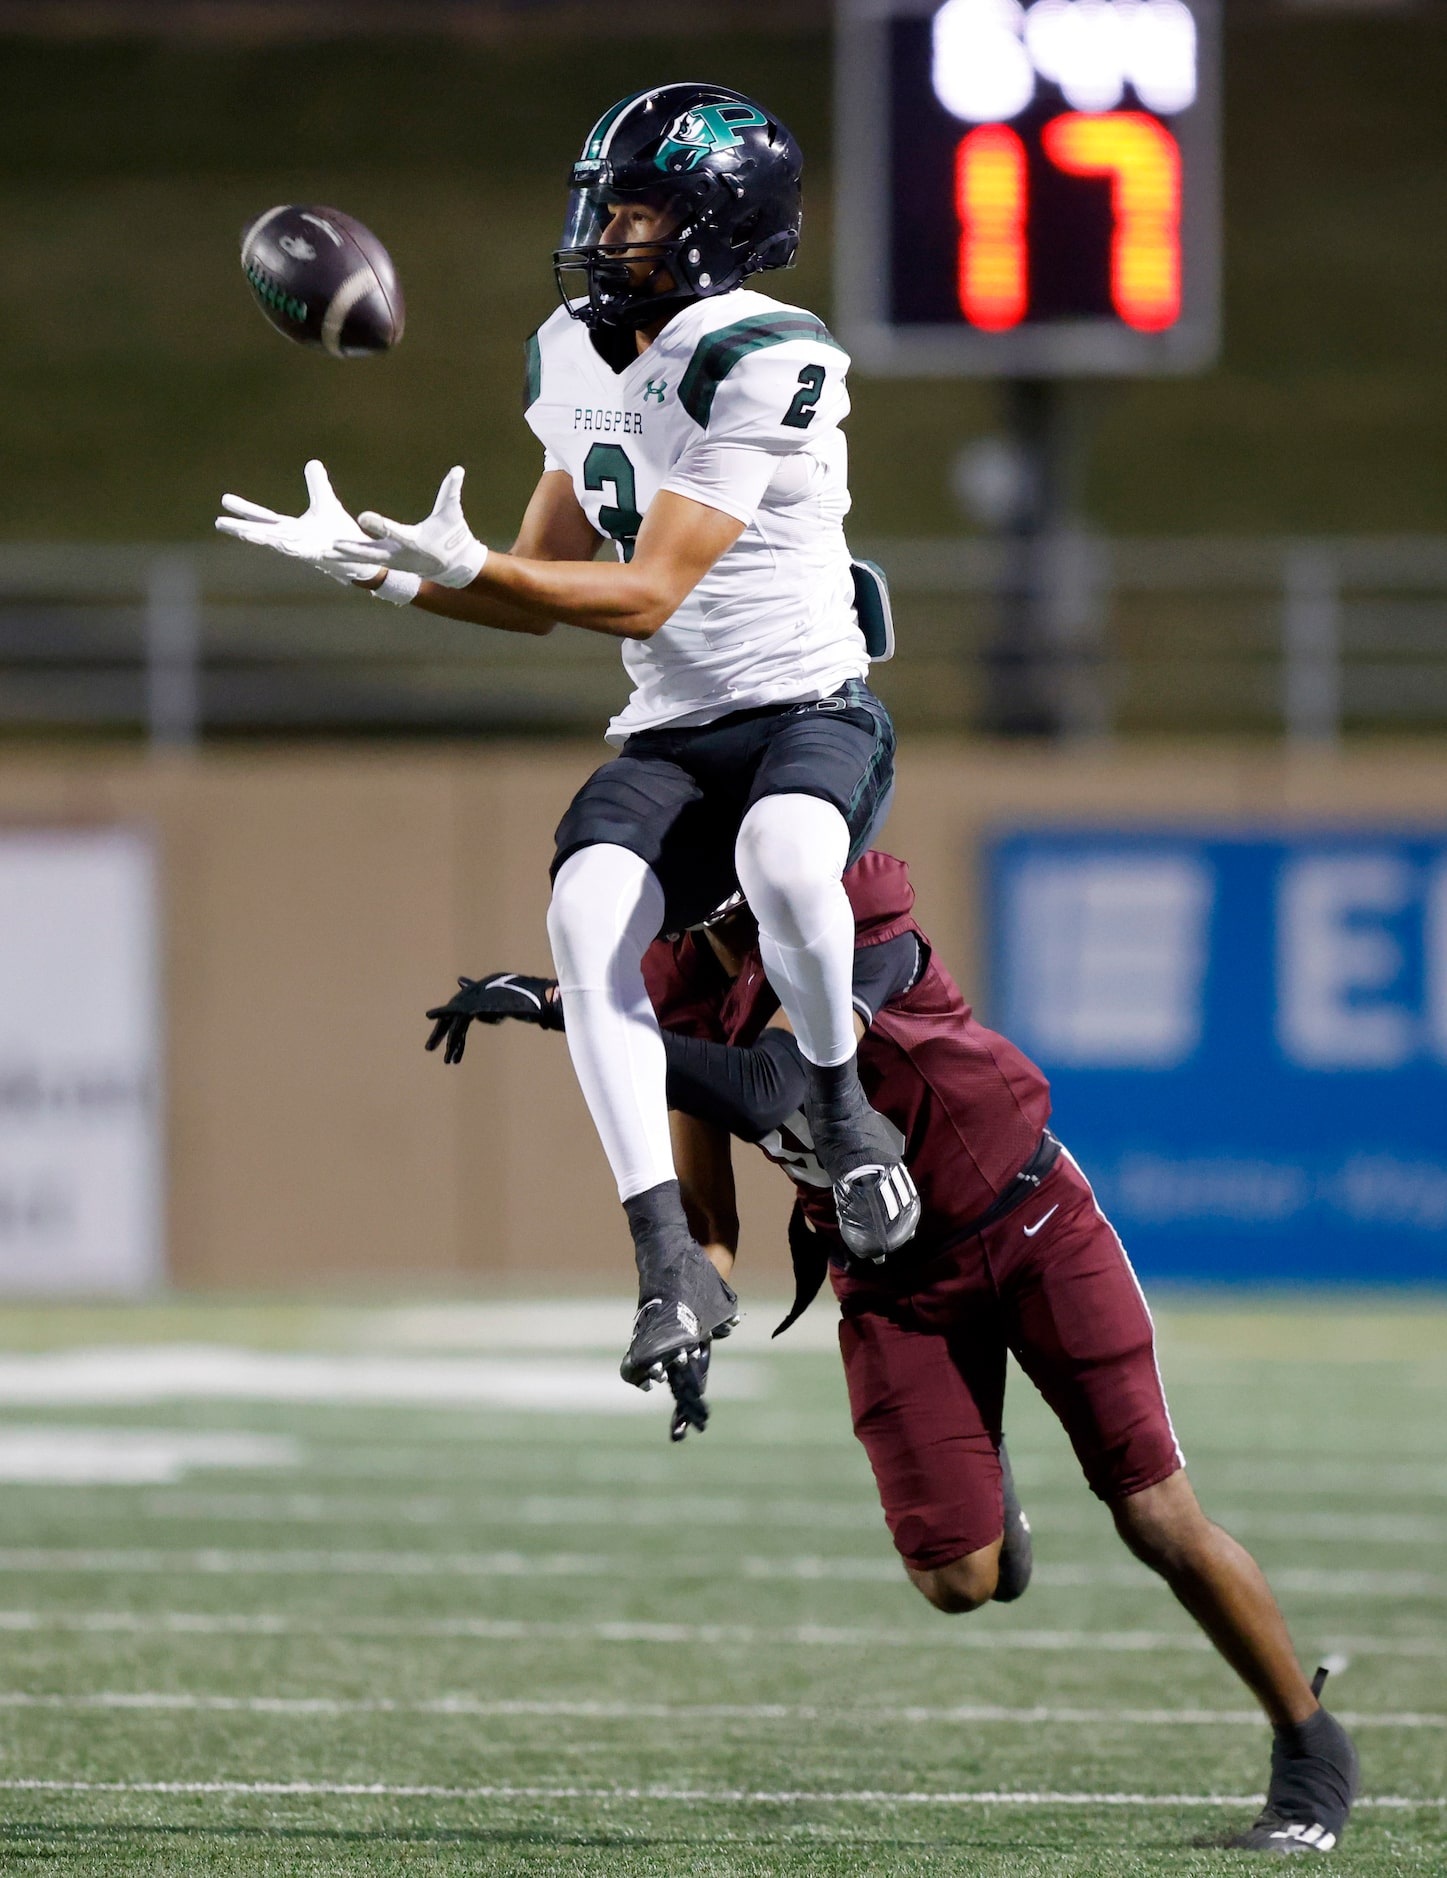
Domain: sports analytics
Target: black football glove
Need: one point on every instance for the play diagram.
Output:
(690, 1410)
(488, 1001)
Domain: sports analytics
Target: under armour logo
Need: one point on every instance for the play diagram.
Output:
(652, 390)
(298, 247)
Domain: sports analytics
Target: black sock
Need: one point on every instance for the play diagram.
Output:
(1318, 1734)
(1313, 1771)
(835, 1093)
(660, 1232)
(847, 1131)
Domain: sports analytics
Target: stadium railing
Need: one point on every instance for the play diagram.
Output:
(1307, 638)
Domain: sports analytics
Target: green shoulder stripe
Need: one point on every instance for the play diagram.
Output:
(717, 355)
(533, 382)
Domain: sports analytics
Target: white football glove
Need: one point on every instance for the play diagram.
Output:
(443, 548)
(314, 537)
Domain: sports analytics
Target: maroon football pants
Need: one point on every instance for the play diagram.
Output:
(926, 1367)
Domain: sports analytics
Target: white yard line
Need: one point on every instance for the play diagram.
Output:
(1270, 1476)
(575, 1456)
(1131, 1577)
(666, 1509)
(1336, 1528)
(734, 1636)
(177, 1372)
(869, 1570)
(208, 1561)
(861, 1514)
(38, 1455)
(580, 1324)
(474, 1708)
(692, 1796)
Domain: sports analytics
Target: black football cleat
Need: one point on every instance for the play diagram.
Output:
(1017, 1558)
(863, 1155)
(694, 1306)
(1314, 1779)
(683, 1305)
(878, 1210)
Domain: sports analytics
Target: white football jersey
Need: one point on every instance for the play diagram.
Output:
(736, 404)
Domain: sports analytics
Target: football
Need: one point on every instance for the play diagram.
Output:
(324, 280)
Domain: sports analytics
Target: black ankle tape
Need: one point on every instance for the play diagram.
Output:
(836, 1093)
(660, 1235)
(657, 1208)
(848, 1132)
(833, 1078)
(1313, 1773)
(1311, 1736)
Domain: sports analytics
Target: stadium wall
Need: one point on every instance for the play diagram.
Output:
(315, 903)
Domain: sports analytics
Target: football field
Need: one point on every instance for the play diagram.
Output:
(288, 1589)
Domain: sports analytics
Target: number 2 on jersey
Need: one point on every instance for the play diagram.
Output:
(800, 414)
(608, 463)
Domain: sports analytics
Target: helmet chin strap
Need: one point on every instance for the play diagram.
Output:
(657, 307)
(639, 306)
(628, 315)
(640, 303)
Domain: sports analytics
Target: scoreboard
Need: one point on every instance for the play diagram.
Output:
(1028, 190)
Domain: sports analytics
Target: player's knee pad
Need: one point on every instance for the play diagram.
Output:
(790, 855)
(606, 910)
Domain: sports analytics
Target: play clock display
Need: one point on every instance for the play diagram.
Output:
(1028, 190)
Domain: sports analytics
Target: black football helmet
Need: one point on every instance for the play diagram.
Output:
(730, 166)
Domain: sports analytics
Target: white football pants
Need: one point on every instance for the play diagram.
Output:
(607, 908)
(791, 854)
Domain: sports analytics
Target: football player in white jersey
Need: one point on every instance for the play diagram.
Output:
(695, 424)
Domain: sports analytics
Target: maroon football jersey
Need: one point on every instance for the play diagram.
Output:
(968, 1105)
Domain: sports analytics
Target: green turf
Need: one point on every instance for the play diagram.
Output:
(448, 1598)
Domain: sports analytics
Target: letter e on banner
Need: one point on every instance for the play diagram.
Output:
(1338, 961)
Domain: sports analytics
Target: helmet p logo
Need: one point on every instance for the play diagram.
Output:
(702, 131)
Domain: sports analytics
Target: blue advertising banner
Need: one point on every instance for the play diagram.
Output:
(1246, 1037)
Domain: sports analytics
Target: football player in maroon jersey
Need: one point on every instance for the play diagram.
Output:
(1012, 1254)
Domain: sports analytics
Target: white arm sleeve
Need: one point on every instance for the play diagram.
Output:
(550, 461)
(774, 403)
(724, 475)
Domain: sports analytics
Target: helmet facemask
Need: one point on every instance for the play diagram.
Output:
(596, 280)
